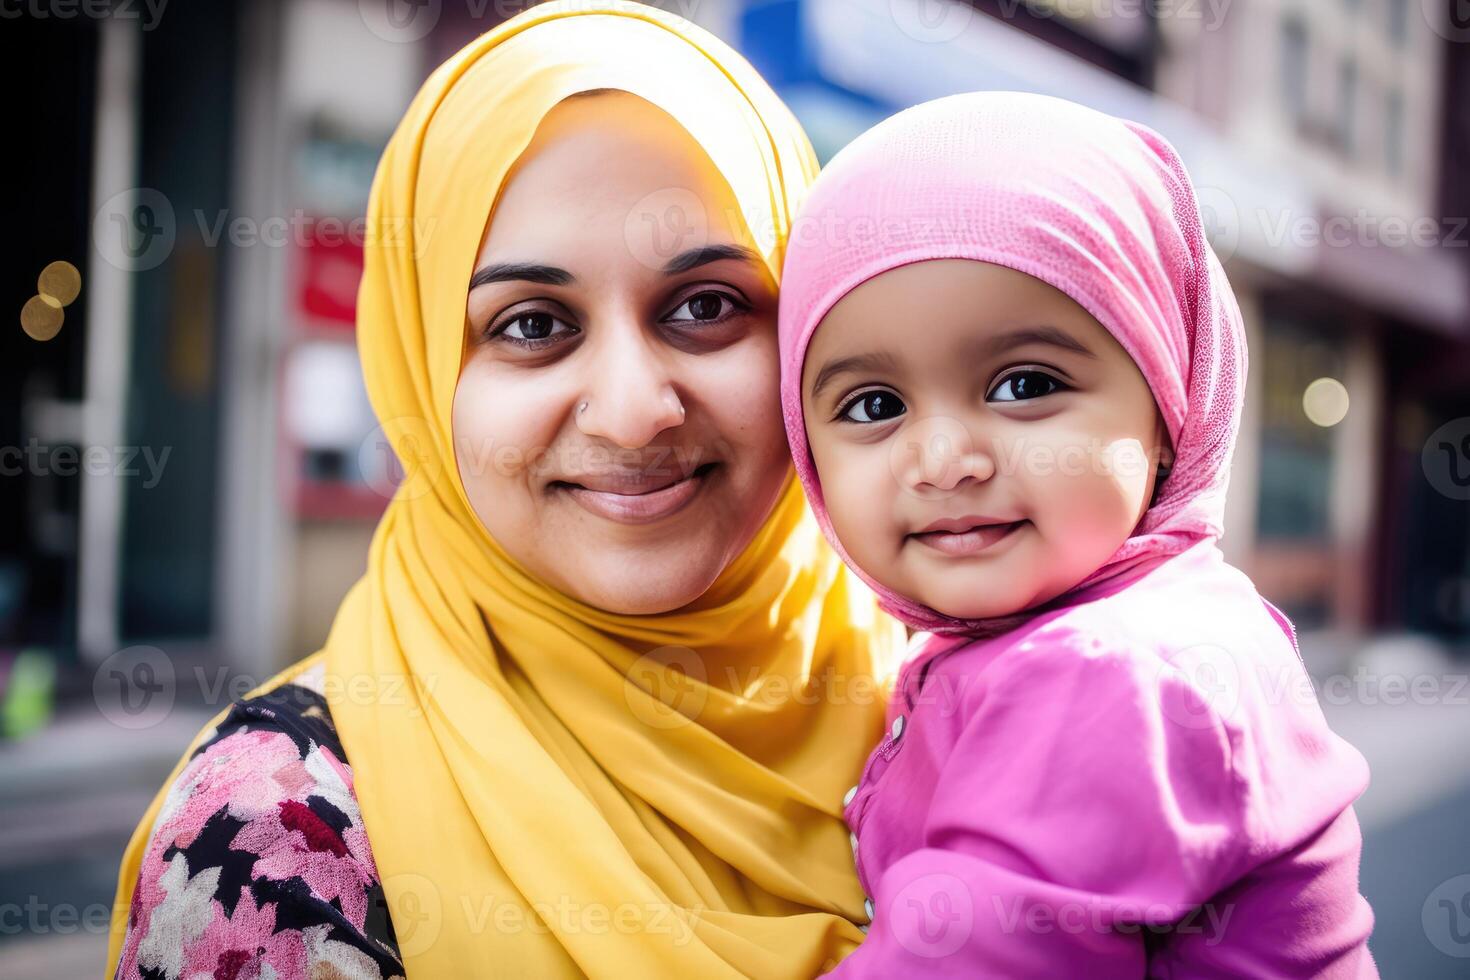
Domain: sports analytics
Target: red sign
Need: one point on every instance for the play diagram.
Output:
(331, 268)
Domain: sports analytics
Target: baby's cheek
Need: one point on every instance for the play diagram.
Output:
(1088, 513)
(859, 495)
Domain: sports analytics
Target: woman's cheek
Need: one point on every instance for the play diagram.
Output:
(740, 392)
(499, 437)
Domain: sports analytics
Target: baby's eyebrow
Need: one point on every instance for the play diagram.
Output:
(875, 361)
(1052, 336)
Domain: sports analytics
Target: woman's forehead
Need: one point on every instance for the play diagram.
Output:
(612, 169)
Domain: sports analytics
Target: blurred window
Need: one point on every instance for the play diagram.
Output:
(1296, 453)
(1294, 67)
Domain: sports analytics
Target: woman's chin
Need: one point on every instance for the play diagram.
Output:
(643, 587)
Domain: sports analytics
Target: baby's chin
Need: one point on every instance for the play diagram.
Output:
(982, 594)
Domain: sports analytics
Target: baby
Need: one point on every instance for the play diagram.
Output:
(1012, 377)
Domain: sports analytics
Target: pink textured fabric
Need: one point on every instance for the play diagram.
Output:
(1139, 785)
(1098, 207)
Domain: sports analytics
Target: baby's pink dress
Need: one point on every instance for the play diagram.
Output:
(1139, 784)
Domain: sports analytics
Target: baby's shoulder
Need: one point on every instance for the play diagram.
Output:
(1187, 611)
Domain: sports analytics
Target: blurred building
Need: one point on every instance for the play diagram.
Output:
(1313, 132)
(213, 172)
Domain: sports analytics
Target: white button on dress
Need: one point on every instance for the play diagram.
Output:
(898, 728)
(848, 796)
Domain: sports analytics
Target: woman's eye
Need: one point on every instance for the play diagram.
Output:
(533, 328)
(703, 308)
(1024, 385)
(874, 406)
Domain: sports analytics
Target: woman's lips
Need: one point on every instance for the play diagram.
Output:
(965, 536)
(636, 498)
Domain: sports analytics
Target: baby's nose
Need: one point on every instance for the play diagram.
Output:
(938, 455)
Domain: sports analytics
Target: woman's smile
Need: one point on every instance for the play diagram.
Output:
(635, 496)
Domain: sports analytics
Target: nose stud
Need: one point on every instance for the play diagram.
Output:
(581, 408)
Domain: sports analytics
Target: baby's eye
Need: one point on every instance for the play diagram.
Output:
(873, 406)
(703, 308)
(1025, 385)
(532, 327)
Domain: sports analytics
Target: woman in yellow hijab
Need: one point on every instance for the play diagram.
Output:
(603, 685)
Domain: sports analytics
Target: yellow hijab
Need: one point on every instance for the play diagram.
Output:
(549, 788)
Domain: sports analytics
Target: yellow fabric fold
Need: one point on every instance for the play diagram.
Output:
(552, 789)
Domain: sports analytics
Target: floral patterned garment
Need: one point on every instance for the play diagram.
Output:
(258, 865)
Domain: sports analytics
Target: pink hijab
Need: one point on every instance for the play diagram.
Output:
(1098, 207)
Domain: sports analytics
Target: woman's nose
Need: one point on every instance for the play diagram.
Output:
(631, 398)
(939, 454)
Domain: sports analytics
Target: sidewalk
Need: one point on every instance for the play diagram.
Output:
(1416, 811)
(73, 793)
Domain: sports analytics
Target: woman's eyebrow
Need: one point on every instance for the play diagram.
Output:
(546, 275)
(695, 257)
(877, 362)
